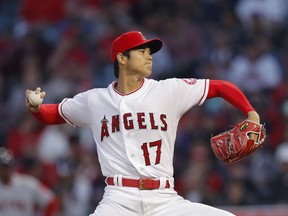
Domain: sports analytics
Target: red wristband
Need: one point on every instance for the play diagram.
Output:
(48, 114)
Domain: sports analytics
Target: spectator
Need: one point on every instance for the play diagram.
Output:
(281, 157)
(24, 137)
(23, 195)
(270, 12)
(75, 184)
(255, 69)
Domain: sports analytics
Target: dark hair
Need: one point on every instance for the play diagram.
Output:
(116, 64)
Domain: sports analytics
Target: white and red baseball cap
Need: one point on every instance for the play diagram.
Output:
(132, 39)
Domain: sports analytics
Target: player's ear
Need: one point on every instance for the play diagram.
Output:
(121, 58)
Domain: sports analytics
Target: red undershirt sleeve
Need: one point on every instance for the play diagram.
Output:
(229, 92)
(48, 114)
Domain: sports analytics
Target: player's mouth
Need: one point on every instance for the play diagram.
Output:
(149, 65)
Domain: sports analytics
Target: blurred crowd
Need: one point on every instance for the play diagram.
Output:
(63, 46)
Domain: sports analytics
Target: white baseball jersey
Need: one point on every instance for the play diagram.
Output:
(135, 133)
(20, 197)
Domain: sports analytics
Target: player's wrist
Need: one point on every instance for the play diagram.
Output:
(35, 109)
(253, 116)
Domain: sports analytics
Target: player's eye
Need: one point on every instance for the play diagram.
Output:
(148, 51)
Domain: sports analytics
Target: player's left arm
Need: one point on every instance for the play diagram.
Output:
(232, 94)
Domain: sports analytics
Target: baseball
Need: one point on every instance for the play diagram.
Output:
(35, 99)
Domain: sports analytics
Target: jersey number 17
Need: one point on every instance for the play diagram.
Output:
(146, 147)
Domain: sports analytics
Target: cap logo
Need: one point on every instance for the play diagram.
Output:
(142, 36)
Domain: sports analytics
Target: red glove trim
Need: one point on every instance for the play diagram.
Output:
(231, 93)
(48, 114)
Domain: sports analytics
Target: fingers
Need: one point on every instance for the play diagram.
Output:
(254, 136)
(38, 90)
(42, 94)
(30, 106)
(28, 92)
(258, 137)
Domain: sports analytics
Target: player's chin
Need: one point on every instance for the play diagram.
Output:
(148, 73)
(149, 66)
(149, 69)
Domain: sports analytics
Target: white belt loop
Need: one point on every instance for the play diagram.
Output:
(115, 180)
(120, 180)
(171, 182)
(106, 180)
(162, 183)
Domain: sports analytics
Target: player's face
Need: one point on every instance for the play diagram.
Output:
(5, 173)
(140, 62)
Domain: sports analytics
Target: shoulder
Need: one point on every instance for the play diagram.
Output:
(91, 92)
(180, 81)
(95, 90)
(179, 84)
(25, 180)
(102, 90)
(31, 184)
(161, 82)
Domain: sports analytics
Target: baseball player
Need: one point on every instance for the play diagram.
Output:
(20, 193)
(134, 122)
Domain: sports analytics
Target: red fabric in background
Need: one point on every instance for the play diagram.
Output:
(43, 10)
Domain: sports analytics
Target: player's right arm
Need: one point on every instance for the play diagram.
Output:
(44, 113)
(232, 94)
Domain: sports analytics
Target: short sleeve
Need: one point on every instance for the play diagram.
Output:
(75, 111)
(187, 93)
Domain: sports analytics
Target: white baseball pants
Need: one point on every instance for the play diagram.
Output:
(126, 201)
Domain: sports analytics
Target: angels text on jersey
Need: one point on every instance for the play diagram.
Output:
(131, 121)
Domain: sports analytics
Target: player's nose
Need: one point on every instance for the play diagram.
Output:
(149, 57)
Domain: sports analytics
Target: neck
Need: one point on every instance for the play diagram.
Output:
(127, 85)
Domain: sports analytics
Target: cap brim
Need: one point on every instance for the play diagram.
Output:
(154, 44)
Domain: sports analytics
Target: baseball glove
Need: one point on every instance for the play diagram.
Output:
(235, 144)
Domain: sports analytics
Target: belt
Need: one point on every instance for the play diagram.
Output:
(141, 183)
